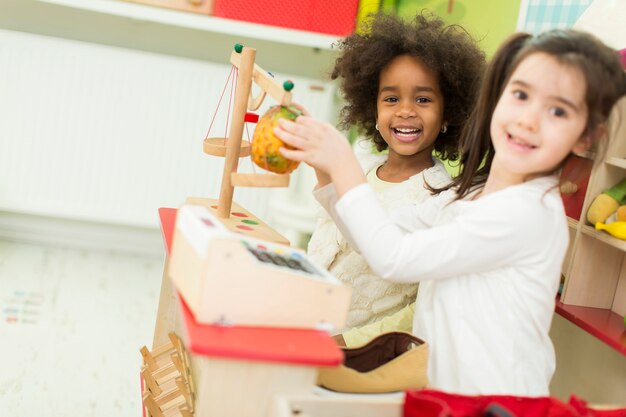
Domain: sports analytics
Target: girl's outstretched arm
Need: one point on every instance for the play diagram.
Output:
(502, 229)
(323, 147)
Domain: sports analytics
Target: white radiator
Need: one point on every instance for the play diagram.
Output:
(103, 134)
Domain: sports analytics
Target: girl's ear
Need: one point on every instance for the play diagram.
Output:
(583, 144)
(588, 139)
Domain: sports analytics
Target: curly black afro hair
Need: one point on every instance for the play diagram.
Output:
(447, 50)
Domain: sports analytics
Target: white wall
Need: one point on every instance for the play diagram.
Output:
(92, 134)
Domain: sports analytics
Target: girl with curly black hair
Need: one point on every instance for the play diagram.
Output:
(408, 87)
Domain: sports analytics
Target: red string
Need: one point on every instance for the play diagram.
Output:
(233, 87)
(220, 101)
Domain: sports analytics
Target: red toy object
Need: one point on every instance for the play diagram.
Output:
(433, 403)
(334, 17)
(251, 117)
(306, 347)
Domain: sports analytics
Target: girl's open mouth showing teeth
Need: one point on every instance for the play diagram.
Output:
(519, 142)
(406, 135)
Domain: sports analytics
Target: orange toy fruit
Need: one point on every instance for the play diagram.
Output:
(265, 144)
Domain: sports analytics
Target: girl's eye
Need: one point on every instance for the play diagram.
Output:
(390, 99)
(520, 95)
(558, 111)
(422, 100)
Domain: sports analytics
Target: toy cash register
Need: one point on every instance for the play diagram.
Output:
(232, 279)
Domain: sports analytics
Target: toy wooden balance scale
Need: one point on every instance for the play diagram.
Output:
(233, 216)
(253, 313)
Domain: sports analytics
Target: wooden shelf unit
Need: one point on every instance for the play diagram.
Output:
(616, 162)
(594, 269)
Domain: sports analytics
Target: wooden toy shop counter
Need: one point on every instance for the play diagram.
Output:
(255, 371)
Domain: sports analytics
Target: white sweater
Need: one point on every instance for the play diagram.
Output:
(489, 272)
(372, 297)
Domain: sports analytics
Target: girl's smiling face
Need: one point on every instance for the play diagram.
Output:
(539, 119)
(409, 107)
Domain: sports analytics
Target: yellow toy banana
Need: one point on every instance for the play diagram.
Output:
(616, 229)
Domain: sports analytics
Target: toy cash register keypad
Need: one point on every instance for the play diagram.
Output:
(292, 260)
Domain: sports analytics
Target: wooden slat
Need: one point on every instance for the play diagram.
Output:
(259, 180)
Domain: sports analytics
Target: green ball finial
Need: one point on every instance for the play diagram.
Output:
(288, 85)
(238, 48)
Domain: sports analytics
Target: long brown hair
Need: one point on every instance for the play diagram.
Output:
(600, 66)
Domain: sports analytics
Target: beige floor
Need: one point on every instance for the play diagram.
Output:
(586, 367)
(72, 322)
(71, 325)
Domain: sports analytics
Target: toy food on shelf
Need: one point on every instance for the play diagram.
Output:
(607, 203)
(265, 144)
(616, 229)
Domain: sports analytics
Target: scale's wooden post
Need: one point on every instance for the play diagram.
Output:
(244, 86)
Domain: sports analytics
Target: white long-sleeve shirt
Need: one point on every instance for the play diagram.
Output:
(488, 269)
(372, 298)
